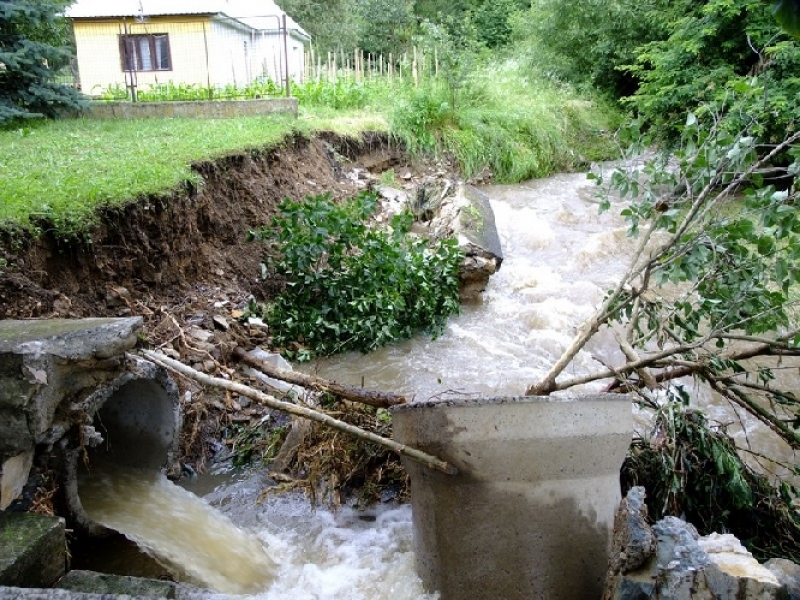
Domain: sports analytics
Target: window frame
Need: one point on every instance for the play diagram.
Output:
(131, 58)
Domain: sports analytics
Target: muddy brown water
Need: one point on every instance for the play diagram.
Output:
(561, 256)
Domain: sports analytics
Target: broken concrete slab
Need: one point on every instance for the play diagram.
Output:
(682, 565)
(45, 365)
(102, 583)
(44, 362)
(32, 550)
(13, 475)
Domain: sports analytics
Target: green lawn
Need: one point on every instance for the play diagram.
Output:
(60, 172)
(63, 170)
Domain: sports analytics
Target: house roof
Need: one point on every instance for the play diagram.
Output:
(256, 14)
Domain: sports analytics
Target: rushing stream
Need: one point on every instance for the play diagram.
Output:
(560, 258)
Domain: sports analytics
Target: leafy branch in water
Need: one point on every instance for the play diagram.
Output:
(713, 282)
(350, 286)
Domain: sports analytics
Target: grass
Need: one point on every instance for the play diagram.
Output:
(519, 126)
(59, 172)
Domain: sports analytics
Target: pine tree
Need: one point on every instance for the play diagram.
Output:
(30, 56)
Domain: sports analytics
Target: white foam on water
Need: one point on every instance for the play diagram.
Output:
(326, 555)
(279, 550)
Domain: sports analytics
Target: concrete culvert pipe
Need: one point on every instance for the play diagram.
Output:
(135, 424)
(530, 512)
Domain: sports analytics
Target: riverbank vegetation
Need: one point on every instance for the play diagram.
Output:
(710, 297)
(520, 90)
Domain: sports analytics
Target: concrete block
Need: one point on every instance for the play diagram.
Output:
(32, 550)
(101, 583)
(209, 109)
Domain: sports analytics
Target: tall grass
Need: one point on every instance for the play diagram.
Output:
(517, 126)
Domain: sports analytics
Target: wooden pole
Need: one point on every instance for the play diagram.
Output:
(414, 73)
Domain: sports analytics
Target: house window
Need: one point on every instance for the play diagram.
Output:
(145, 52)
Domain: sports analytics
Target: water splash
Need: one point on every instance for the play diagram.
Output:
(180, 530)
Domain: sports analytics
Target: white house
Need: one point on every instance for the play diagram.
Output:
(211, 43)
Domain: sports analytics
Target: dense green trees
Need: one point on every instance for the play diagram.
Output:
(787, 13)
(380, 27)
(663, 59)
(32, 50)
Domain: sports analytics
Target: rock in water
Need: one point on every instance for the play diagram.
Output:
(671, 561)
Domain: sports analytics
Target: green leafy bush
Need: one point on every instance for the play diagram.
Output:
(587, 41)
(353, 287)
(712, 52)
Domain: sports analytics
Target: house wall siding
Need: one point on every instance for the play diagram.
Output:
(230, 59)
(100, 63)
(204, 50)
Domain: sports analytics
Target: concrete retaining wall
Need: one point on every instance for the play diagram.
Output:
(212, 109)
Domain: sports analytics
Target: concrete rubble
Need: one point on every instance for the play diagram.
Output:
(671, 561)
(67, 386)
(44, 365)
(445, 209)
(32, 550)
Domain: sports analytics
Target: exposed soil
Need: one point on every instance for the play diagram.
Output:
(162, 250)
(182, 261)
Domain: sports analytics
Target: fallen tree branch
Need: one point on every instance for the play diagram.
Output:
(345, 392)
(755, 409)
(760, 348)
(300, 411)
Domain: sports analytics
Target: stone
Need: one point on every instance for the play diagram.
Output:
(117, 297)
(633, 541)
(221, 322)
(200, 335)
(101, 583)
(788, 573)
(468, 216)
(32, 550)
(686, 566)
(735, 563)
(13, 475)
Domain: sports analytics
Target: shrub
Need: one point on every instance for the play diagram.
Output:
(353, 287)
(32, 52)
